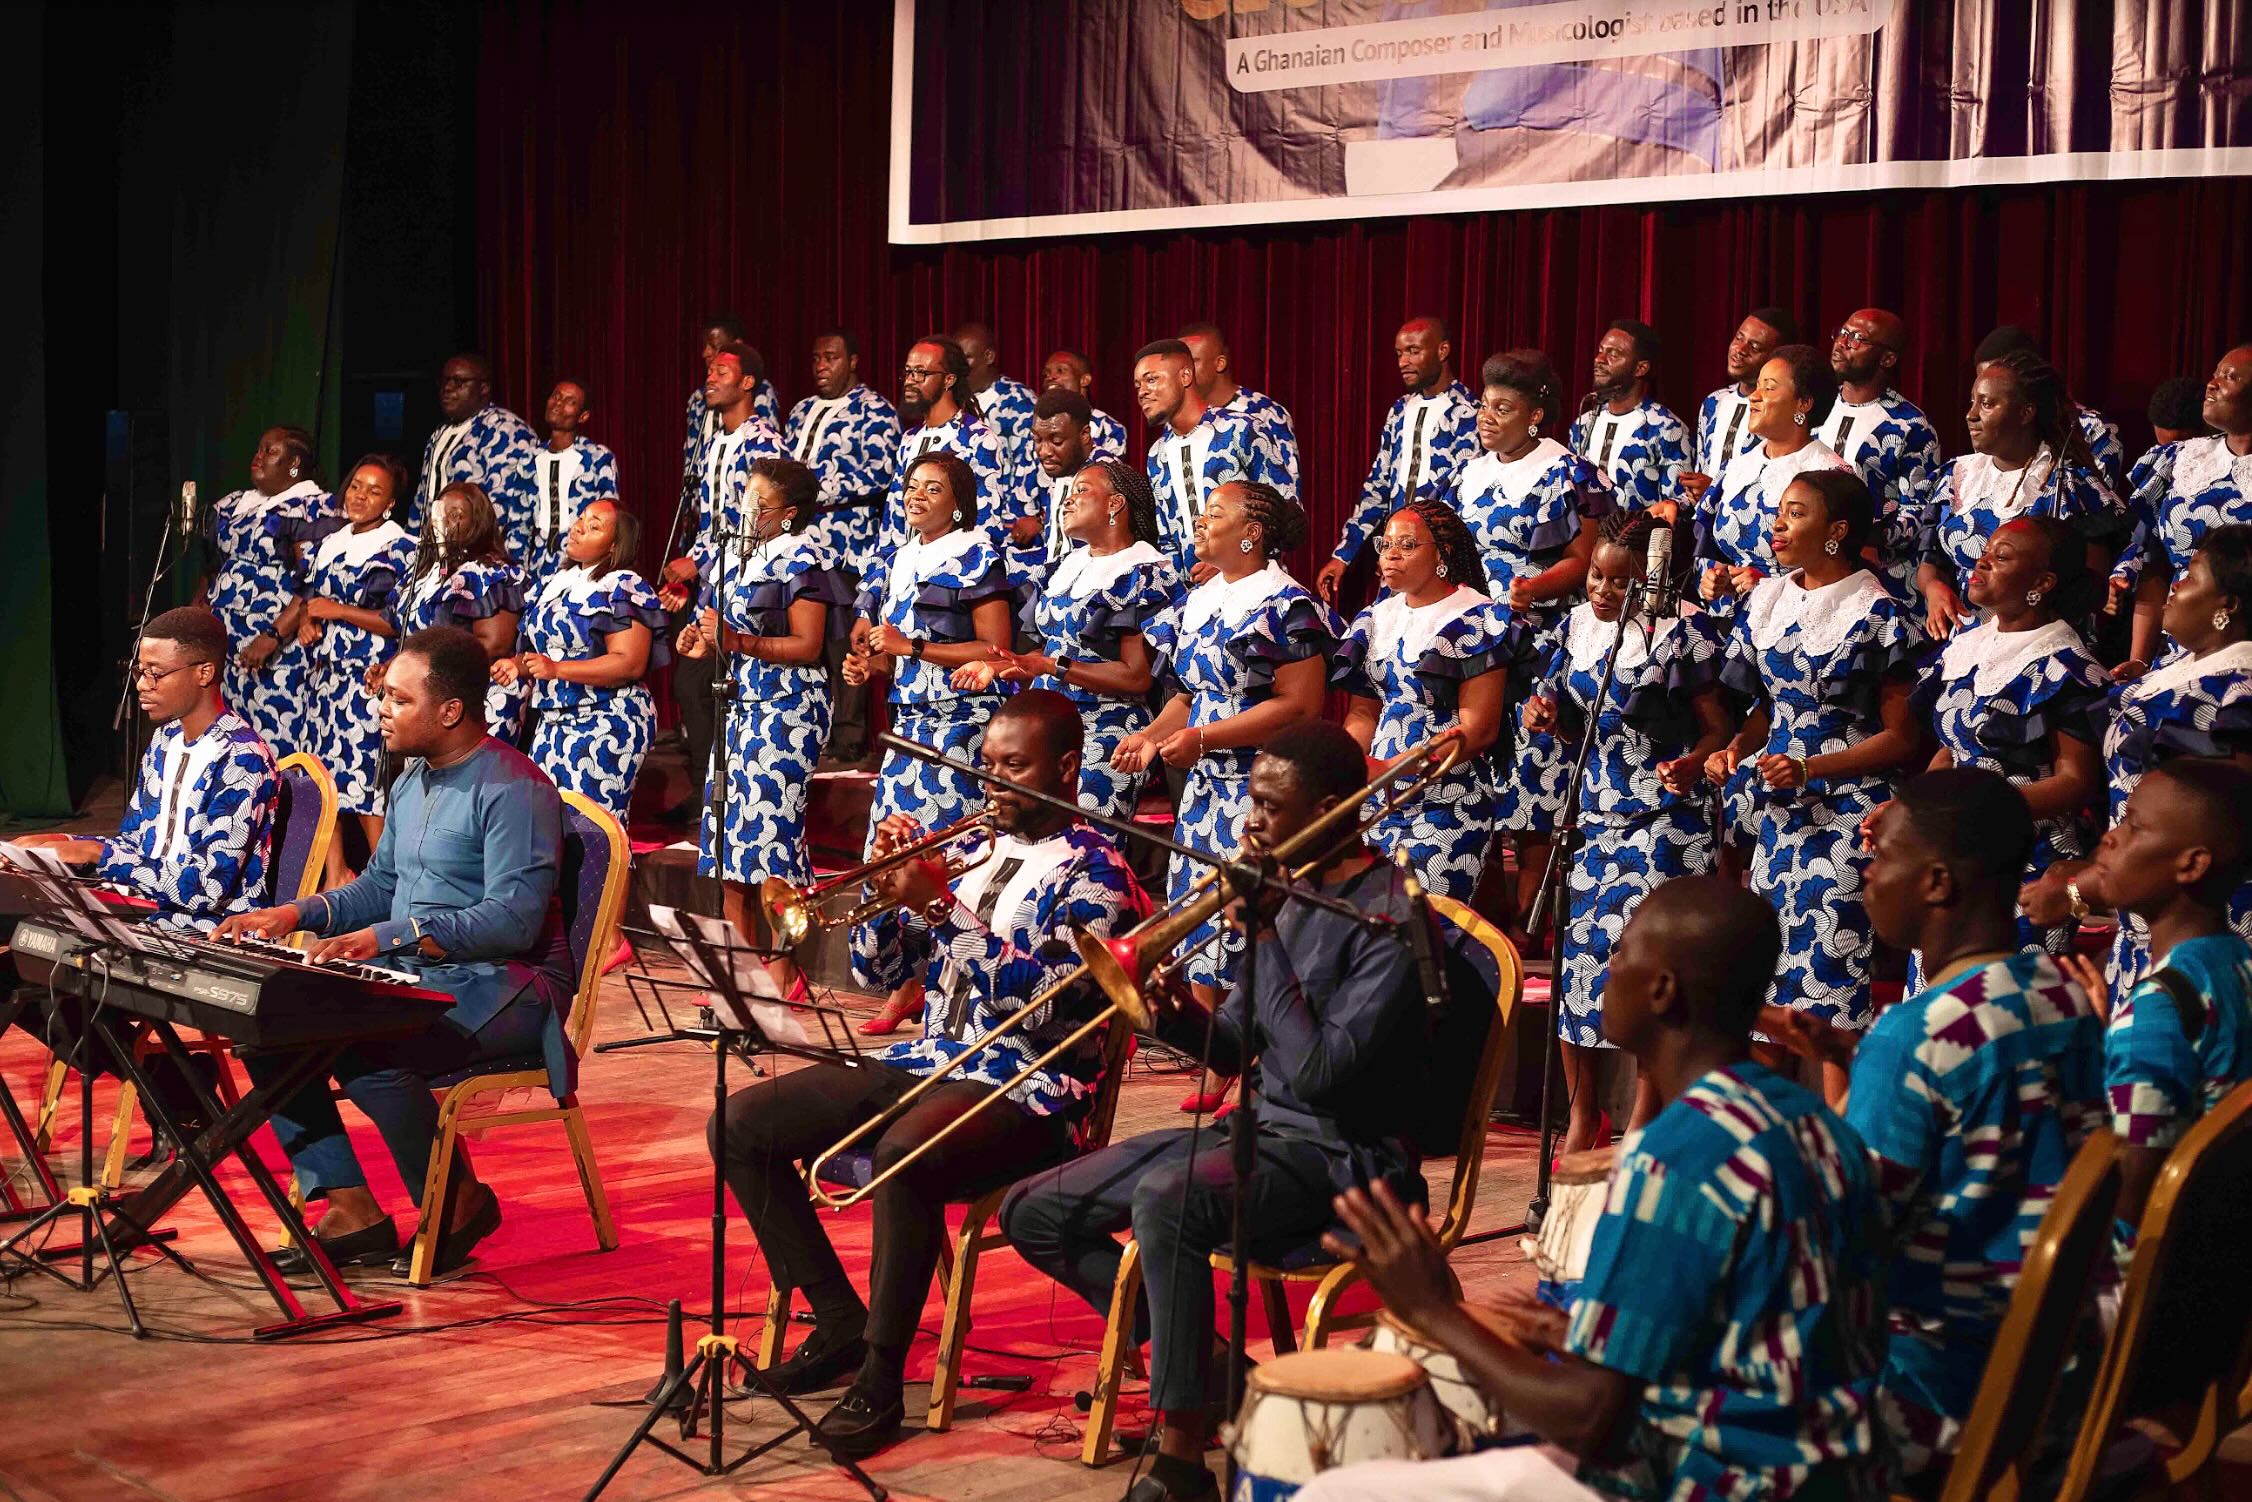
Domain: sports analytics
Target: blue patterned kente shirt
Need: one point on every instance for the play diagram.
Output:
(198, 826)
(1735, 1272)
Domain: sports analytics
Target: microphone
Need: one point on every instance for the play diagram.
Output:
(185, 519)
(1659, 595)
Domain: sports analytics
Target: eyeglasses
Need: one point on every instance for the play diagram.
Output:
(1857, 338)
(1398, 547)
(912, 374)
(151, 676)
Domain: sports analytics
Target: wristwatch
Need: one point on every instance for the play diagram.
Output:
(915, 649)
(2079, 904)
(1064, 666)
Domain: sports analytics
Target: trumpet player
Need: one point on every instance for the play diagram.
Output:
(985, 941)
(1336, 1031)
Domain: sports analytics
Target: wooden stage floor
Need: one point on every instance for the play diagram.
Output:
(488, 1387)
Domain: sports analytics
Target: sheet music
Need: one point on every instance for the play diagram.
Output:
(71, 900)
(735, 978)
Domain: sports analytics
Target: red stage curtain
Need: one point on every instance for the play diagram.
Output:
(636, 173)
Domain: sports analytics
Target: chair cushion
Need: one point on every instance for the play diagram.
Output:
(517, 1064)
(850, 1169)
(586, 865)
(295, 818)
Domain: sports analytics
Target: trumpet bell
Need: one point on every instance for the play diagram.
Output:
(789, 917)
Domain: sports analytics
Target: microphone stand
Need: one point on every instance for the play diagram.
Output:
(1549, 899)
(126, 715)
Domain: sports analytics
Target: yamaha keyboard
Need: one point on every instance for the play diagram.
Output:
(252, 992)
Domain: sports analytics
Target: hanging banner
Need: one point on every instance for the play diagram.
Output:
(1013, 118)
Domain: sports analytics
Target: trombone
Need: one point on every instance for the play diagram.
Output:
(1121, 966)
(794, 913)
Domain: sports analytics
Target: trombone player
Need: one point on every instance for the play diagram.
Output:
(1337, 1032)
(986, 940)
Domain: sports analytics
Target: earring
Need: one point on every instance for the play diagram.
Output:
(957, 515)
(1532, 430)
(2220, 620)
(1799, 418)
(1442, 571)
(2032, 597)
(1244, 546)
(293, 471)
(1831, 547)
(1116, 512)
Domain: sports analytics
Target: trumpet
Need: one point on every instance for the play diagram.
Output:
(1120, 967)
(794, 913)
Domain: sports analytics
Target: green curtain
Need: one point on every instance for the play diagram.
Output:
(32, 783)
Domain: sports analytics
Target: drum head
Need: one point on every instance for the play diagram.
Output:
(1590, 1167)
(1342, 1376)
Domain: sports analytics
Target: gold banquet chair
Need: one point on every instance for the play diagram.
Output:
(1310, 1264)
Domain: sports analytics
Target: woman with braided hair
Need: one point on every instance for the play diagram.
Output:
(1431, 655)
(1089, 616)
(1640, 823)
(2028, 458)
(1248, 651)
(462, 576)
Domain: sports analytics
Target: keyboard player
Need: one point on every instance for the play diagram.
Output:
(462, 889)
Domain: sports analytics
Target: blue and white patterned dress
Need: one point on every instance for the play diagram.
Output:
(1009, 937)
(1089, 603)
(1222, 646)
(930, 591)
(1896, 450)
(1000, 500)
(778, 716)
(1641, 452)
(199, 826)
(723, 505)
(1413, 661)
(362, 569)
(1524, 513)
(263, 541)
(1635, 834)
(1998, 700)
(2104, 445)
(1420, 452)
(564, 483)
(1974, 499)
(591, 740)
(476, 591)
(852, 443)
(2192, 706)
(1185, 468)
(1736, 522)
(2177, 493)
(1819, 658)
(493, 448)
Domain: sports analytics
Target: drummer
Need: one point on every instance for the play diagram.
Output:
(1744, 1200)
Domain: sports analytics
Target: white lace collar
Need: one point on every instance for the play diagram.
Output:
(917, 560)
(772, 559)
(1990, 657)
(1823, 616)
(1587, 640)
(1082, 573)
(1232, 600)
(1396, 627)
(2007, 493)
(359, 547)
(2201, 462)
(2185, 670)
(1519, 475)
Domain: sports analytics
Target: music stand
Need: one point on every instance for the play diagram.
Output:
(751, 1013)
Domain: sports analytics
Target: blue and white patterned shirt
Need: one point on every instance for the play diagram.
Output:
(1734, 1272)
(1105, 434)
(1185, 468)
(1896, 450)
(564, 483)
(1000, 500)
(1010, 935)
(1424, 443)
(1006, 407)
(1270, 419)
(492, 448)
(199, 825)
(1723, 424)
(1642, 451)
(723, 488)
(2177, 493)
(852, 443)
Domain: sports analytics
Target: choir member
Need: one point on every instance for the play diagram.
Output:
(2176, 410)
(1721, 432)
(1069, 370)
(2019, 694)
(1825, 657)
(2182, 490)
(1194, 448)
(2100, 432)
(936, 603)
(1112, 578)
(1634, 441)
(1736, 518)
(2028, 458)
(479, 442)
(719, 331)
(462, 576)
(262, 536)
(341, 617)
(592, 634)
(569, 473)
(1065, 440)
(1004, 405)
(1430, 432)
(848, 435)
(1248, 652)
(1639, 824)
(2199, 703)
(938, 417)
(1431, 655)
(1883, 435)
(771, 622)
(1216, 383)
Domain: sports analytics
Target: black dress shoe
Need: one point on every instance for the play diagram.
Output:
(817, 1365)
(369, 1246)
(1151, 1489)
(456, 1242)
(860, 1426)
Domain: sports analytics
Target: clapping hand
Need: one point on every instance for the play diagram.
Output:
(1539, 714)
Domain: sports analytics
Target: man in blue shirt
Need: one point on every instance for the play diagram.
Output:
(2181, 1038)
(1726, 1338)
(1634, 440)
(462, 888)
